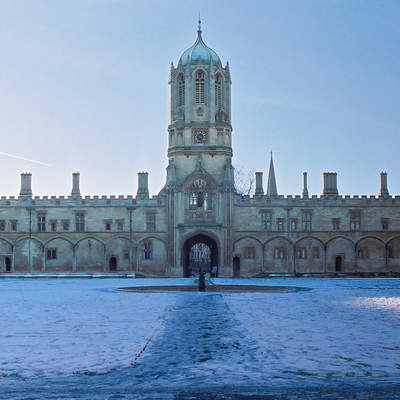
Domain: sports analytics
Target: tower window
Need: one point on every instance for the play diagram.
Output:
(218, 91)
(181, 90)
(200, 200)
(199, 92)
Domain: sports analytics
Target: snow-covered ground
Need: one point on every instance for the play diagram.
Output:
(57, 330)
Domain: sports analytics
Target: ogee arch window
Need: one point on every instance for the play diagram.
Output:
(199, 88)
(181, 90)
(218, 91)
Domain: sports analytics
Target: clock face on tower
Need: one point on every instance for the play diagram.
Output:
(200, 136)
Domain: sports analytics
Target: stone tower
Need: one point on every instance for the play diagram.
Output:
(200, 111)
(200, 173)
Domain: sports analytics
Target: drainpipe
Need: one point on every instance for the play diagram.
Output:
(30, 239)
(130, 209)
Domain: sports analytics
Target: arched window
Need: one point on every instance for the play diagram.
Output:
(181, 90)
(199, 90)
(192, 201)
(200, 200)
(218, 91)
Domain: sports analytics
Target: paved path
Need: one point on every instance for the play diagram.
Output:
(201, 351)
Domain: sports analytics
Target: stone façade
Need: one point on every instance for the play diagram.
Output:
(247, 236)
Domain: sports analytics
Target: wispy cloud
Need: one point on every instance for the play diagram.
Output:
(24, 159)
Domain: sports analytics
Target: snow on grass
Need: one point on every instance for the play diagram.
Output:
(337, 328)
(68, 326)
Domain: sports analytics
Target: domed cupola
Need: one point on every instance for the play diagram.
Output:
(199, 53)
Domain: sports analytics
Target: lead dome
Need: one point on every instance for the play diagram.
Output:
(199, 52)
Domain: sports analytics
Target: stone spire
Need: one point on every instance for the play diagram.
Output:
(271, 185)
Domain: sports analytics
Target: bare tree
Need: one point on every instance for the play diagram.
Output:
(245, 180)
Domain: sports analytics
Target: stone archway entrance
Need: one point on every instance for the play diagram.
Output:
(200, 253)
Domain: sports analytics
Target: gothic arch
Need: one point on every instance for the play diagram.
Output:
(151, 256)
(64, 255)
(339, 237)
(90, 257)
(89, 238)
(370, 254)
(248, 237)
(309, 254)
(309, 237)
(393, 253)
(278, 237)
(28, 254)
(59, 237)
(209, 242)
(9, 242)
(393, 238)
(368, 237)
(250, 252)
(33, 238)
(340, 254)
(278, 254)
(119, 254)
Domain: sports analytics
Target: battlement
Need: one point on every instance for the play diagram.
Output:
(317, 201)
(74, 201)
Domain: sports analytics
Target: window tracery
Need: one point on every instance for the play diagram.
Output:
(218, 91)
(199, 87)
(181, 90)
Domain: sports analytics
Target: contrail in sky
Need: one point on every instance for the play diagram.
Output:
(24, 159)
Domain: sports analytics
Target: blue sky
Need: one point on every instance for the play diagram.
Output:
(83, 86)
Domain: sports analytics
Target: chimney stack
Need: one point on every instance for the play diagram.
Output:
(259, 184)
(143, 185)
(305, 190)
(26, 185)
(384, 192)
(75, 185)
(330, 184)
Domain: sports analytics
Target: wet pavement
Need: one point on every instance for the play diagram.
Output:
(202, 353)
